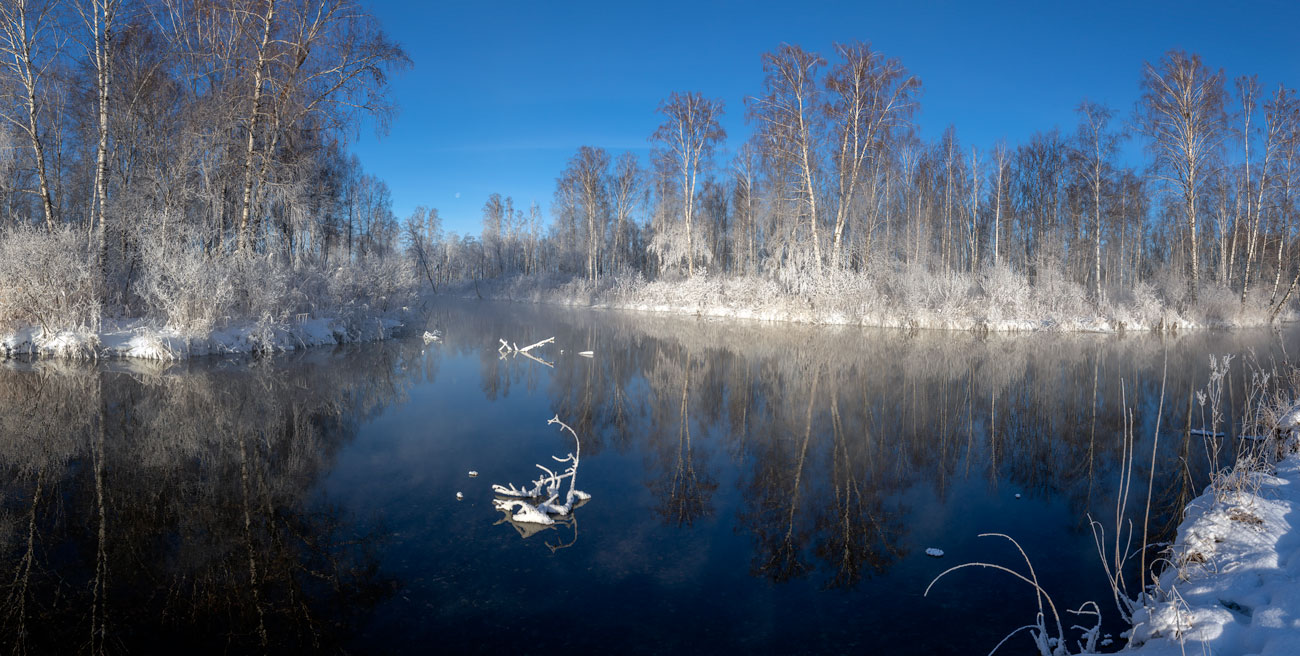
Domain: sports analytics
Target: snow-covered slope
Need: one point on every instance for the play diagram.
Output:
(1233, 584)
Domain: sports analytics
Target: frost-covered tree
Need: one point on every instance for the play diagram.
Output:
(870, 97)
(1095, 147)
(1181, 113)
(787, 115)
(29, 47)
(626, 187)
(585, 186)
(684, 143)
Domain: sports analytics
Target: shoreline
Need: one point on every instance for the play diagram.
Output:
(140, 339)
(1228, 586)
(762, 301)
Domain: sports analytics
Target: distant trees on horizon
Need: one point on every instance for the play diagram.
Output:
(837, 179)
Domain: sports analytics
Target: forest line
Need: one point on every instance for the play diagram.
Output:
(836, 181)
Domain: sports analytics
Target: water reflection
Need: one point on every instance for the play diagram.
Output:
(682, 488)
(147, 506)
(827, 426)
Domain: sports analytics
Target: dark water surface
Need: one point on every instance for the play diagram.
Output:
(765, 488)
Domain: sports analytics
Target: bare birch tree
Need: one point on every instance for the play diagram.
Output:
(686, 141)
(586, 176)
(786, 114)
(1000, 180)
(625, 188)
(29, 45)
(1094, 150)
(1280, 124)
(1181, 113)
(870, 97)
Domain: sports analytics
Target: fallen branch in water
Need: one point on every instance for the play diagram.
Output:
(545, 487)
(509, 348)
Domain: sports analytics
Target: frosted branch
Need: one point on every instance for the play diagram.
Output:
(521, 503)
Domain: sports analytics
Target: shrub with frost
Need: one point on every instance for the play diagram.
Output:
(1007, 293)
(1218, 305)
(1061, 298)
(1171, 285)
(1145, 306)
(626, 285)
(48, 280)
(188, 288)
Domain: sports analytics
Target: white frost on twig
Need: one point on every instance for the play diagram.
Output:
(530, 347)
(510, 348)
(522, 501)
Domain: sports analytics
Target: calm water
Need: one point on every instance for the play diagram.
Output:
(760, 487)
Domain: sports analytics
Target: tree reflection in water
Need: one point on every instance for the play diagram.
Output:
(148, 506)
(829, 427)
(682, 490)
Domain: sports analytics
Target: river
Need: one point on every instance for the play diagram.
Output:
(760, 487)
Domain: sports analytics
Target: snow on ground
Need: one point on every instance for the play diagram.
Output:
(962, 303)
(141, 339)
(1233, 583)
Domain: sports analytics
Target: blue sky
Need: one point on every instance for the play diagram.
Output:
(502, 93)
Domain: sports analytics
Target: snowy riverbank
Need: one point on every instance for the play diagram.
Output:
(1232, 585)
(141, 339)
(998, 302)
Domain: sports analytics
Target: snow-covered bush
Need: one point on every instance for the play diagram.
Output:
(1008, 293)
(840, 296)
(1218, 305)
(48, 280)
(578, 291)
(1171, 285)
(266, 286)
(187, 288)
(1254, 312)
(1145, 306)
(196, 292)
(916, 288)
(1059, 297)
(625, 285)
(383, 283)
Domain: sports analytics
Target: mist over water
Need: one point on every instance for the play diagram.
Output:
(758, 487)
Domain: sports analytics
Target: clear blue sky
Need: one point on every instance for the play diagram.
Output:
(502, 93)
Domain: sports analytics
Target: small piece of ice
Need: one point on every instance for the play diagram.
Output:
(459, 496)
(472, 473)
(937, 553)
(1017, 495)
(587, 354)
